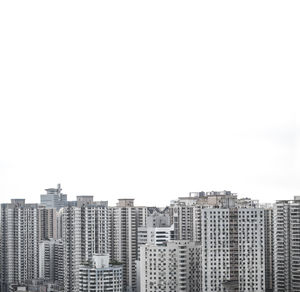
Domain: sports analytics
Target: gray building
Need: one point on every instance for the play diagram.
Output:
(269, 248)
(51, 264)
(85, 232)
(172, 267)
(19, 233)
(100, 276)
(47, 223)
(232, 236)
(287, 245)
(54, 198)
(125, 220)
(36, 285)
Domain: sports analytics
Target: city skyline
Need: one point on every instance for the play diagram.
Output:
(204, 242)
(149, 146)
(73, 197)
(150, 100)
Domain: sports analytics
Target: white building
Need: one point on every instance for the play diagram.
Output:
(100, 276)
(287, 246)
(51, 264)
(232, 235)
(155, 235)
(125, 220)
(172, 267)
(233, 249)
(19, 235)
(157, 231)
(85, 231)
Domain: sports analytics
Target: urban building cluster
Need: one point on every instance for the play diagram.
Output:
(205, 242)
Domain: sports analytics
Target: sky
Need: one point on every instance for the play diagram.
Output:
(149, 99)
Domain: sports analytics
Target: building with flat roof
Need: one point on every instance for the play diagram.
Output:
(100, 276)
(19, 245)
(287, 245)
(54, 198)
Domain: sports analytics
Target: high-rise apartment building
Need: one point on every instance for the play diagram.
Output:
(185, 211)
(269, 247)
(287, 245)
(47, 223)
(54, 198)
(51, 265)
(59, 263)
(232, 235)
(237, 245)
(172, 267)
(19, 235)
(233, 249)
(100, 276)
(183, 220)
(46, 260)
(125, 220)
(157, 231)
(85, 231)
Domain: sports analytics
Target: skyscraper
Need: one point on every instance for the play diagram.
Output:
(269, 247)
(19, 235)
(125, 220)
(172, 267)
(157, 231)
(47, 223)
(287, 245)
(54, 198)
(51, 265)
(85, 232)
(231, 232)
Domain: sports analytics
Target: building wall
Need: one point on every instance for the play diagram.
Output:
(171, 268)
(287, 246)
(19, 235)
(85, 232)
(47, 223)
(101, 279)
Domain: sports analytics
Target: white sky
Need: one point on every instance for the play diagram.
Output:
(149, 99)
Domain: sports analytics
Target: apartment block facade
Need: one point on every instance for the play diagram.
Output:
(100, 276)
(85, 233)
(19, 233)
(173, 267)
(287, 245)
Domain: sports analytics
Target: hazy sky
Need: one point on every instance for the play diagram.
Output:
(149, 99)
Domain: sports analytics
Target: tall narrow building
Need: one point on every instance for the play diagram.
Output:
(51, 265)
(287, 245)
(158, 231)
(269, 248)
(85, 231)
(19, 235)
(124, 240)
(125, 220)
(47, 223)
